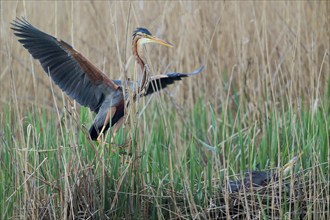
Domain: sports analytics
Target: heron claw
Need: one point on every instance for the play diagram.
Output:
(99, 140)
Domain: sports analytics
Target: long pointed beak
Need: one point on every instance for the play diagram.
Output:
(157, 40)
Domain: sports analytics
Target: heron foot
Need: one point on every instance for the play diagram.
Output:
(99, 138)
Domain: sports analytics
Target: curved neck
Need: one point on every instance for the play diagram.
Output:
(138, 54)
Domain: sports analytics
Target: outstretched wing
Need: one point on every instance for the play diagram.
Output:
(159, 82)
(69, 69)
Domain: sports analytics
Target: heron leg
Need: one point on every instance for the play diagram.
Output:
(110, 113)
(118, 125)
(115, 128)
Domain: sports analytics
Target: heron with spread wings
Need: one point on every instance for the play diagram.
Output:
(84, 82)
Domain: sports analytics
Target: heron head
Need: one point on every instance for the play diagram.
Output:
(143, 36)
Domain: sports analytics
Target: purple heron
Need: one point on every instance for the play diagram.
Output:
(84, 82)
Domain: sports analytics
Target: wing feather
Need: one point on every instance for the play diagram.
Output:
(69, 69)
(159, 82)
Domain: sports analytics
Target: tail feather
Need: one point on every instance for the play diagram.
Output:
(94, 131)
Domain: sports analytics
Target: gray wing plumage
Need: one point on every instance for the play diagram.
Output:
(159, 82)
(70, 70)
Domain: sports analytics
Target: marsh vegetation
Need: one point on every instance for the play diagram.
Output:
(262, 101)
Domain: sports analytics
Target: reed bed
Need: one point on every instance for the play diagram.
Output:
(260, 107)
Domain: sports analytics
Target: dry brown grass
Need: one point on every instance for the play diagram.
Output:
(274, 52)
